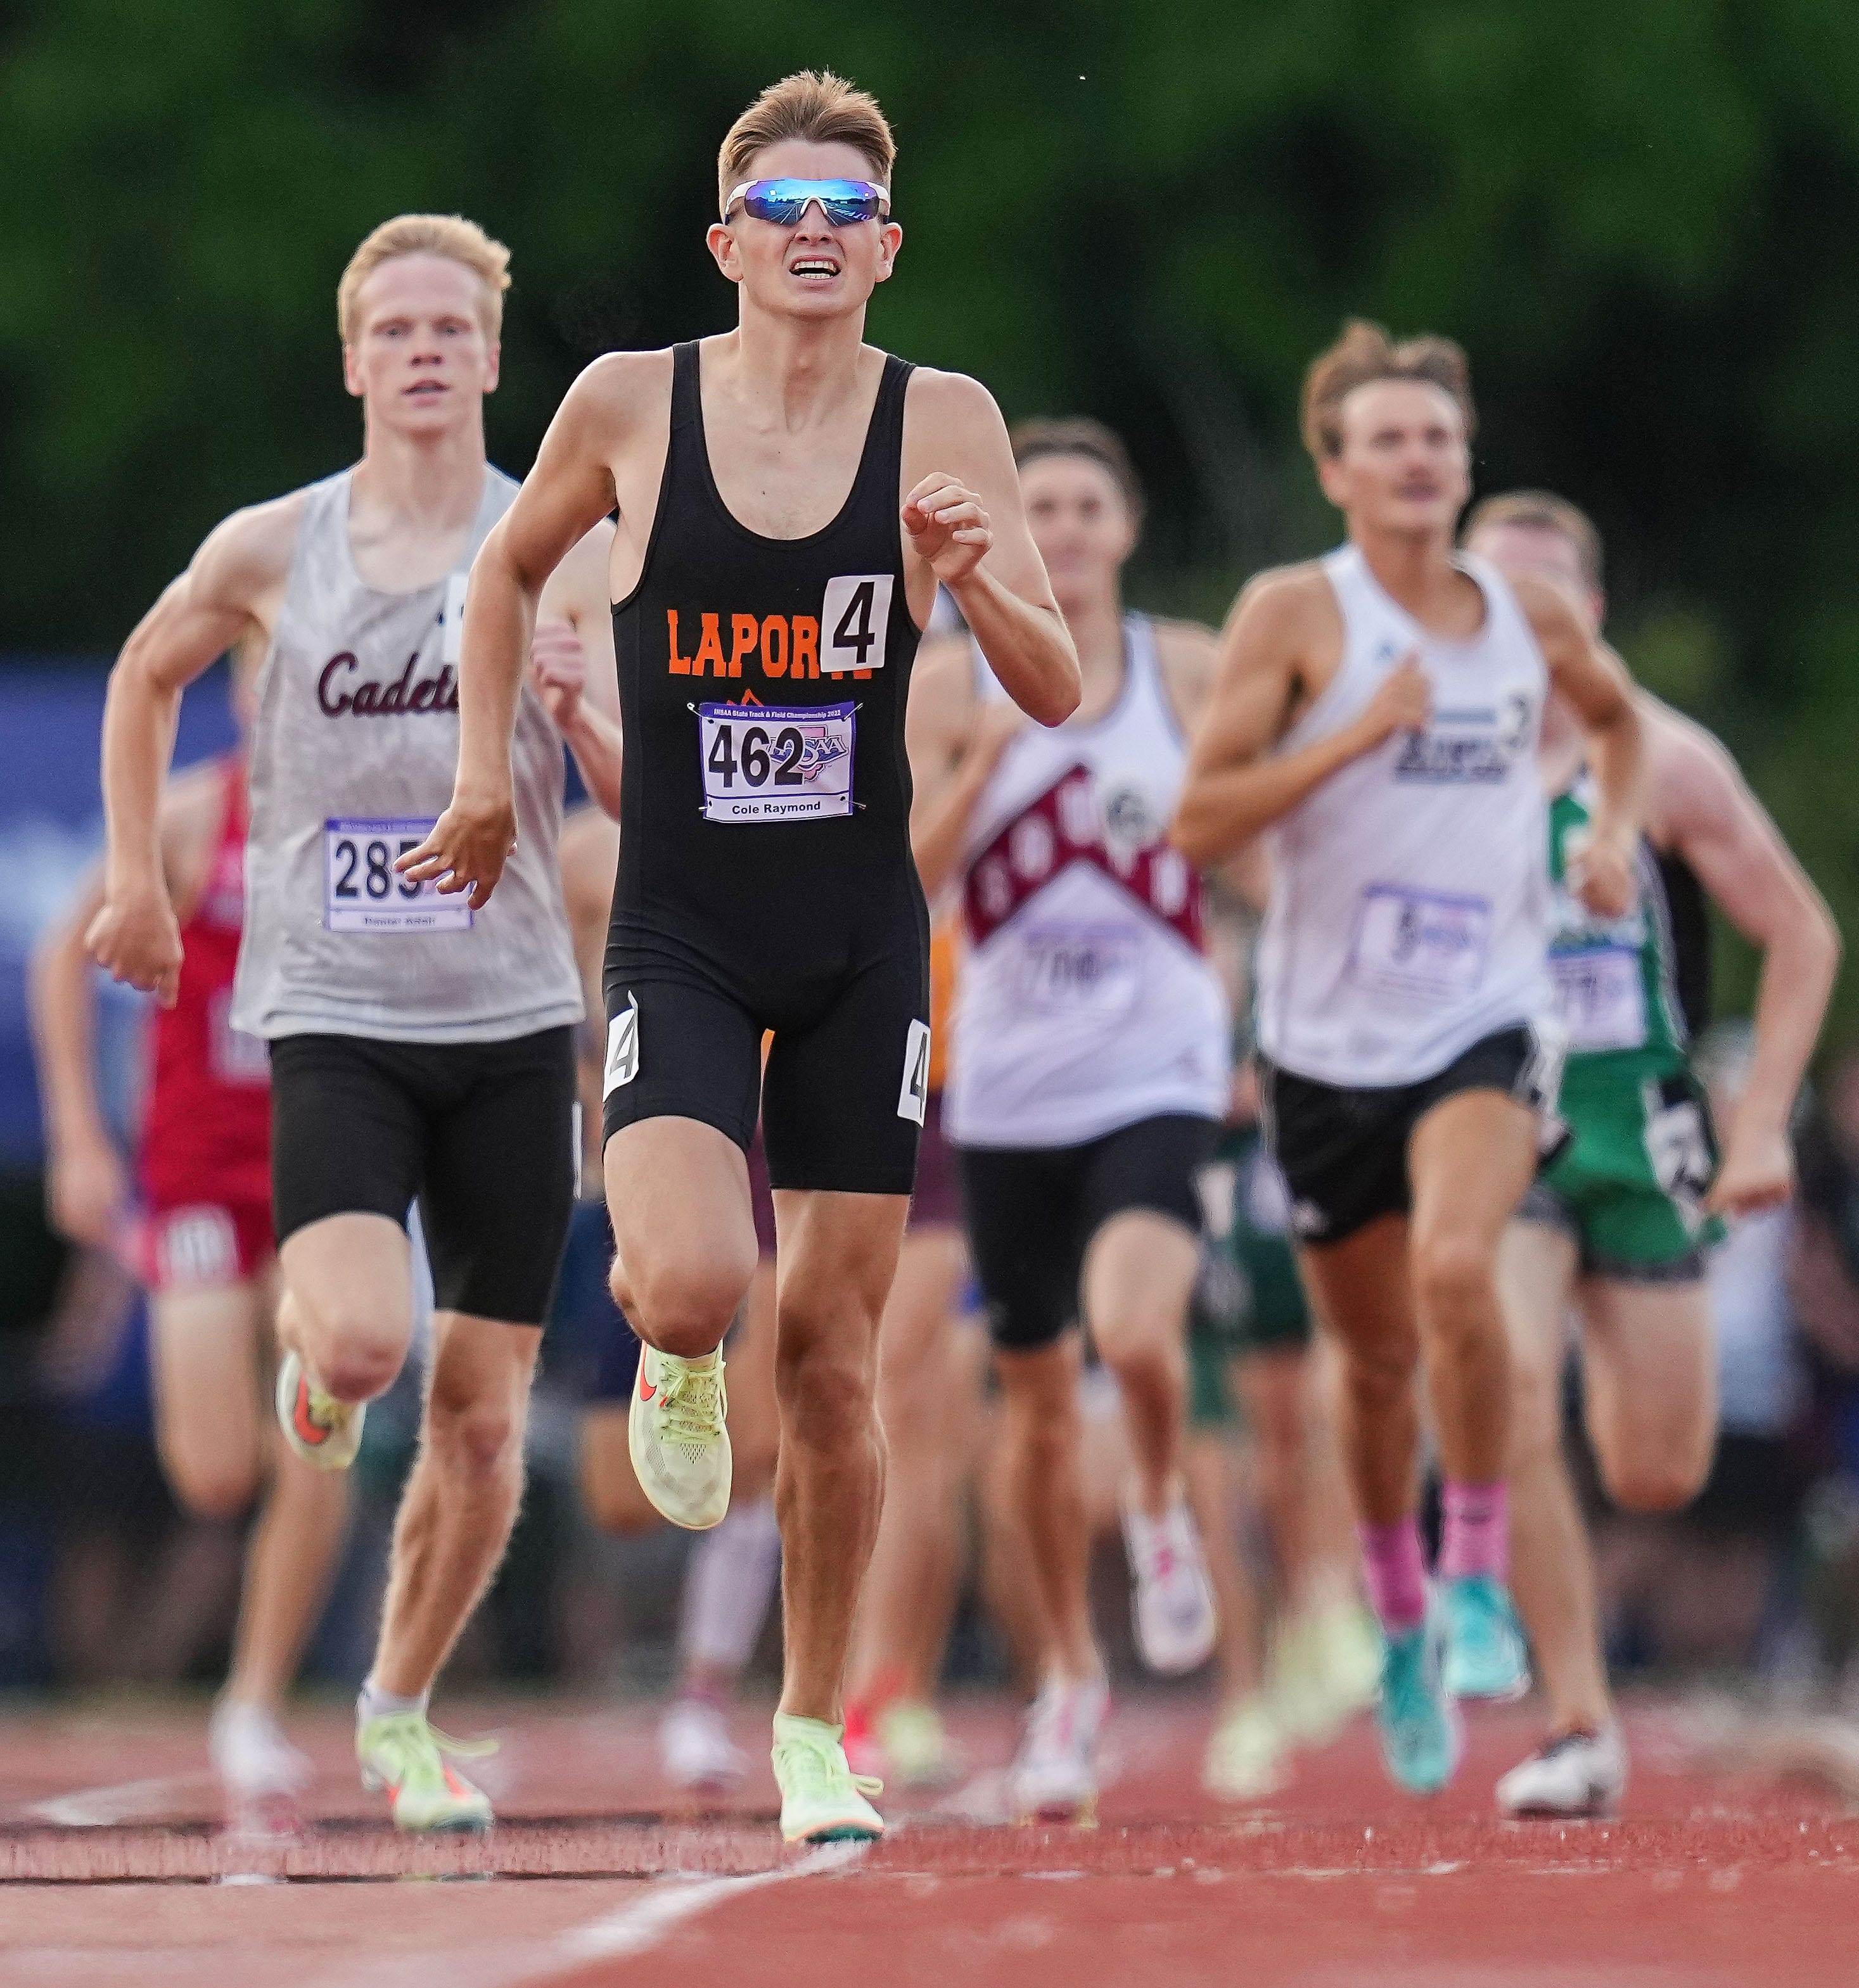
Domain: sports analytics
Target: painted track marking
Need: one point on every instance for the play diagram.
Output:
(119, 1801)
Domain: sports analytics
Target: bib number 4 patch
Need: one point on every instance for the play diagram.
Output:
(913, 1097)
(854, 619)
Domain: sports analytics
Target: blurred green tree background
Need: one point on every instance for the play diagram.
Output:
(1640, 218)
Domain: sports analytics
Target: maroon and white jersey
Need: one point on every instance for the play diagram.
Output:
(353, 755)
(1086, 1001)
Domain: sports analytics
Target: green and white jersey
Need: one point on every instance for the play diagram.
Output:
(1616, 980)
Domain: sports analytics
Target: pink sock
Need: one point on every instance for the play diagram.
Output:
(1475, 1537)
(1397, 1575)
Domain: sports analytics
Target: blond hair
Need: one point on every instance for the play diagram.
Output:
(813, 104)
(1542, 511)
(1366, 352)
(448, 234)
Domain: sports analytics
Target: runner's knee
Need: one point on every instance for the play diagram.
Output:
(210, 1487)
(479, 1437)
(683, 1305)
(1455, 1285)
(826, 1391)
(1638, 1483)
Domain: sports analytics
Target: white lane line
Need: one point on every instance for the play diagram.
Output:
(669, 1902)
(96, 1808)
(660, 1905)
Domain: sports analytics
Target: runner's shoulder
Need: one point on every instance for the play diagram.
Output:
(620, 389)
(251, 552)
(1285, 607)
(1548, 605)
(953, 401)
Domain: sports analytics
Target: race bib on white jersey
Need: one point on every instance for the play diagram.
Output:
(363, 892)
(775, 763)
(1419, 945)
(1080, 970)
(1600, 995)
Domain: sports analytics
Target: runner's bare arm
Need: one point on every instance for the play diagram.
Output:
(1599, 691)
(955, 741)
(1190, 657)
(1236, 785)
(228, 592)
(571, 663)
(565, 496)
(1703, 810)
(965, 520)
(86, 1186)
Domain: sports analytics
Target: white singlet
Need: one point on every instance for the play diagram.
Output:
(1085, 1003)
(1409, 905)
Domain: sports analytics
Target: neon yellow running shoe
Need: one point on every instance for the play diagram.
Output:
(676, 1436)
(404, 1753)
(822, 1799)
(324, 1431)
(1246, 1758)
(917, 1745)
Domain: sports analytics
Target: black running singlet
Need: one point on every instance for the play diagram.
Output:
(764, 860)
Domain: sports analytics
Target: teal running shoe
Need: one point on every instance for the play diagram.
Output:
(1485, 1657)
(1421, 1734)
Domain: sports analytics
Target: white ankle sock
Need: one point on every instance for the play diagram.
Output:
(375, 1703)
(728, 1586)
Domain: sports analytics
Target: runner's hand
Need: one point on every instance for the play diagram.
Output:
(467, 850)
(948, 529)
(558, 668)
(1404, 702)
(1758, 1172)
(1601, 873)
(137, 937)
(86, 1191)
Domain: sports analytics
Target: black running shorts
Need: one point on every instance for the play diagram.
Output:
(843, 1094)
(1032, 1212)
(481, 1134)
(1343, 1152)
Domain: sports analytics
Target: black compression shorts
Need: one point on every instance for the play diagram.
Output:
(1343, 1151)
(843, 1094)
(483, 1134)
(1032, 1210)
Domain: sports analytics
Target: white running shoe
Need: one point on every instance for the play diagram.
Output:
(1573, 1774)
(695, 1748)
(1173, 1604)
(323, 1430)
(676, 1435)
(250, 1754)
(1054, 1776)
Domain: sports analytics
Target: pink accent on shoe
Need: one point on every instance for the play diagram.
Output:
(1396, 1572)
(1475, 1537)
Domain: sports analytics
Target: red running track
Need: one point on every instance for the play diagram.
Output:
(109, 1850)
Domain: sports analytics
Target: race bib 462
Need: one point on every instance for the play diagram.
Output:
(775, 763)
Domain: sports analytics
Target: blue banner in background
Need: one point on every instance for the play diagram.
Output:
(51, 830)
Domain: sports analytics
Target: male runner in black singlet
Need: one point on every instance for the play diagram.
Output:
(769, 600)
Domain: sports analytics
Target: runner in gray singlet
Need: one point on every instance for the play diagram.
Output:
(421, 1046)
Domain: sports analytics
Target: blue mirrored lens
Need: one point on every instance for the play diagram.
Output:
(843, 201)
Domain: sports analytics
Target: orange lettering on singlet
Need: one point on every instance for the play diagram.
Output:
(710, 649)
(774, 634)
(680, 665)
(743, 631)
(806, 645)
